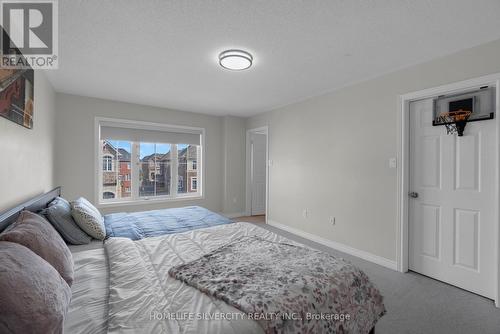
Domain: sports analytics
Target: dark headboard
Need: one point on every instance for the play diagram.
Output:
(35, 204)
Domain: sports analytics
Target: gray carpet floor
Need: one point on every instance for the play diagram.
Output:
(419, 304)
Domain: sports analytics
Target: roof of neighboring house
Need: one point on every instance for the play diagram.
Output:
(151, 156)
(124, 155)
(107, 143)
(191, 152)
(165, 156)
(158, 156)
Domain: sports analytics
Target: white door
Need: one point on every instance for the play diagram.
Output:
(451, 222)
(258, 173)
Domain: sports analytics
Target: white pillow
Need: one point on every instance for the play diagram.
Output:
(88, 218)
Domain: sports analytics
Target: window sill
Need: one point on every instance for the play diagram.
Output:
(149, 201)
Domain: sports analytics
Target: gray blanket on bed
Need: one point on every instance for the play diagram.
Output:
(287, 288)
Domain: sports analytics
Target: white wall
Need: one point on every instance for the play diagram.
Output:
(330, 153)
(27, 155)
(74, 162)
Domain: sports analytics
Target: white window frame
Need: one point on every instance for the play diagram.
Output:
(135, 172)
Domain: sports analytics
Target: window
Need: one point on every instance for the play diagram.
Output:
(142, 162)
(155, 174)
(107, 163)
(108, 195)
(194, 182)
(180, 184)
(186, 157)
(116, 156)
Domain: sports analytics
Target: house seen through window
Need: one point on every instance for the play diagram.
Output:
(151, 164)
(156, 166)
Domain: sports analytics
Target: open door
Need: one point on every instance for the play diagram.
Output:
(258, 155)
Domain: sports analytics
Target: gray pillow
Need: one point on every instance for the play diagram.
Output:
(59, 215)
(88, 218)
(34, 297)
(36, 233)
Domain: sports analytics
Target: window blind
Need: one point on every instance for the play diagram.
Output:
(151, 135)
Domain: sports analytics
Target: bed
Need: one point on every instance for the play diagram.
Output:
(139, 225)
(123, 292)
(124, 286)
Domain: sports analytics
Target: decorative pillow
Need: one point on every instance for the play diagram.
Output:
(88, 218)
(34, 297)
(59, 215)
(36, 233)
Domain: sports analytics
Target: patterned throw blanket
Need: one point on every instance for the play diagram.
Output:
(287, 288)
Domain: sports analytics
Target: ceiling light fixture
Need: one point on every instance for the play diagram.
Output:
(235, 60)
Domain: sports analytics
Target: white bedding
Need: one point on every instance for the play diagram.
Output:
(142, 294)
(88, 310)
(136, 294)
(94, 244)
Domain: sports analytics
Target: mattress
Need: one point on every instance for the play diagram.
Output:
(125, 287)
(139, 225)
(90, 305)
(144, 298)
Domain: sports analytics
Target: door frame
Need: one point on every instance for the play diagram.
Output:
(248, 203)
(403, 181)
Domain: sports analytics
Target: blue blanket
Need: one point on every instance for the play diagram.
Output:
(139, 225)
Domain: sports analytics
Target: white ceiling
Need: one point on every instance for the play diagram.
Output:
(164, 53)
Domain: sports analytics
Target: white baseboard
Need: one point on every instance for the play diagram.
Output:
(382, 261)
(233, 215)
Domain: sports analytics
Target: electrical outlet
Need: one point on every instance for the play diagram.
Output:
(332, 220)
(305, 213)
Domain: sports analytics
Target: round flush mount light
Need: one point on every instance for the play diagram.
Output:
(235, 60)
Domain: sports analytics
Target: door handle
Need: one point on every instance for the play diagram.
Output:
(413, 194)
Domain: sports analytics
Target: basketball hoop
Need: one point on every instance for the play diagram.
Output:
(454, 121)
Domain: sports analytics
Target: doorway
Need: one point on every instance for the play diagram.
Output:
(448, 226)
(257, 173)
(452, 201)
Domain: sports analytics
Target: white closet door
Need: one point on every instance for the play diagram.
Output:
(451, 222)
